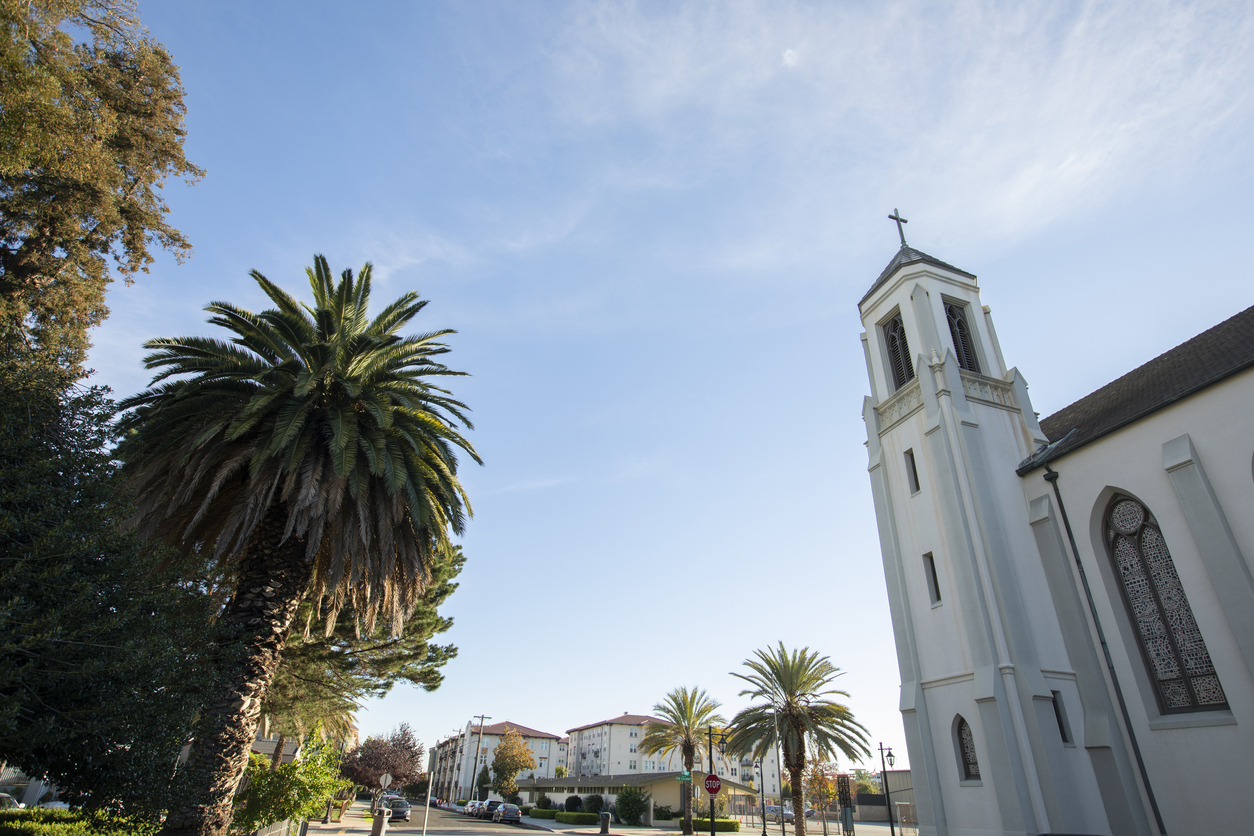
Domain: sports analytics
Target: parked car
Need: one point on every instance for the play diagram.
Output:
(469, 810)
(774, 812)
(400, 809)
(8, 802)
(486, 811)
(507, 812)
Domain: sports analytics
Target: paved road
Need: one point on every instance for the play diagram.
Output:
(445, 823)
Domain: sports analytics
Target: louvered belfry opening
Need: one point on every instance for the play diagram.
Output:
(898, 352)
(966, 748)
(960, 332)
(1179, 664)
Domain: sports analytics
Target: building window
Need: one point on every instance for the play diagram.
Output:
(898, 352)
(544, 746)
(1060, 714)
(912, 472)
(933, 583)
(632, 747)
(631, 764)
(1174, 651)
(960, 332)
(966, 752)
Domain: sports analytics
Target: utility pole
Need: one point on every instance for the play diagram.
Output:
(474, 769)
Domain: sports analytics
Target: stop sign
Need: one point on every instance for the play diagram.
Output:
(713, 784)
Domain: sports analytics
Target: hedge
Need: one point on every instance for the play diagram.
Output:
(67, 823)
(525, 810)
(720, 825)
(537, 813)
(581, 818)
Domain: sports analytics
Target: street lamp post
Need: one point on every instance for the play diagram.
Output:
(762, 787)
(888, 799)
(722, 750)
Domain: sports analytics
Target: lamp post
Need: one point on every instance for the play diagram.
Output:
(888, 799)
(722, 750)
(762, 787)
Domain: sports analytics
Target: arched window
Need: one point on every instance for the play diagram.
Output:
(898, 352)
(1175, 653)
(966, 751)
(960, 332)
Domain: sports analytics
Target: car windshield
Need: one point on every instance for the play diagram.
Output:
(510, 807)
(399, 802)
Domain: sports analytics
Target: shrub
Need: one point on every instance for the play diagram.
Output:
(720, 825)
(632, 802)
(462, 802)
(544, 802)
(525, 809)
(579, 818)
(573, 804)
(594, 803)
(537, 813)
(70, 823)
(663, 812)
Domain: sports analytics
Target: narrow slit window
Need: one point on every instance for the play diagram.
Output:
(966, 752)
(912, 472)
(933, 583)
(1060, 714)
(898, 352)
(960, 332)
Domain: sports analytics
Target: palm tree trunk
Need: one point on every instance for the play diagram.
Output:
(251, 633)
(795, 769)
(687, 798)
(277, 760)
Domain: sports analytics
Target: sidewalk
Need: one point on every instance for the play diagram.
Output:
(354, 821)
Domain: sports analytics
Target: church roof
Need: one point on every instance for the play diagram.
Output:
(909, 255)
(1203, 361)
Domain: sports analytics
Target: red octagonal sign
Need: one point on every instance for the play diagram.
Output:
(713, 784)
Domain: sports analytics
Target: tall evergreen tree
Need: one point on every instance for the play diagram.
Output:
(104, 660)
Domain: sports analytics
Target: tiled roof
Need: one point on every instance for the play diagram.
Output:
(624, 720)
(1203, 361)
(909, 255)
(625, 780)
(501, 728)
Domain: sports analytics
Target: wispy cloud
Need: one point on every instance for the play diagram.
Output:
(1000, 118)
(529, 485)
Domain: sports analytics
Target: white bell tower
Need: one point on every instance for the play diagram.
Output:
(989, 697)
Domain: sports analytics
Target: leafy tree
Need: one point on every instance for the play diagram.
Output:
(559, 772)
(310, 456)
(798, 708)
(89, 133)
(511, 757)
(820, 782)
(103, 658)
(482, 783)
(399, 755)
(867, 782)
(685, 715)
(631, 805)
(295, 790)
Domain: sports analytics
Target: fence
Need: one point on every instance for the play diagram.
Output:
(287, 827)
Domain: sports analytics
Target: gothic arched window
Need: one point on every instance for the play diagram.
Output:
(898, 352)
(966, 751)
(1175, 653)
(960, 332)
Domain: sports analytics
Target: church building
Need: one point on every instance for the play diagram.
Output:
(1072, 598)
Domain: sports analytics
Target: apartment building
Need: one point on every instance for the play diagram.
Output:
(456, 760)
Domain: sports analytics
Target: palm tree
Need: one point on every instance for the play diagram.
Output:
(685, 715)
(311, 456)
(798, 709)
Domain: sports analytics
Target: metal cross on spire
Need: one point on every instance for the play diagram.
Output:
(896, 216)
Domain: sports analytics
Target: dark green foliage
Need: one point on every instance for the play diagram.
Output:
(70, 823)
(104, 665)
(539, 813)
(593, 803)
(578, 818)
(525, 809)
(573, 804)
(89, 132)
(720, 825)
(323, 678)
(663, 812)
(631, 804)
(544, 802)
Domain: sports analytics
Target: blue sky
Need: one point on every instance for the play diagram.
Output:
(650, 224)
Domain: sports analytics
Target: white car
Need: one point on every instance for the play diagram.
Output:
(8, 802)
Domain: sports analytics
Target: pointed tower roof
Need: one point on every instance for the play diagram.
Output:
(909, 255)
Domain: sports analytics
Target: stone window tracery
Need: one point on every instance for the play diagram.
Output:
(966, 752)
(1175, 653)
(898, 352)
